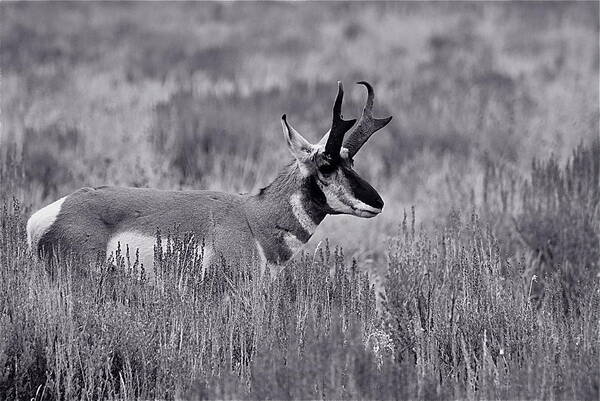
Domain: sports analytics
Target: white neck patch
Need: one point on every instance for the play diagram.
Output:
(303, 218)
(293, 243)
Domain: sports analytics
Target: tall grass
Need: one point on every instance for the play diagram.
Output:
(492, 294)
(550, 218)
(457, 320)
(101, 332)
(463, 315)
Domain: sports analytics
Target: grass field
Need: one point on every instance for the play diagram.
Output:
(479, 280)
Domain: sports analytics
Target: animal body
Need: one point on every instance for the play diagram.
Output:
(267, 227)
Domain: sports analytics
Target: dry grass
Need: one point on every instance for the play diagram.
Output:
(188, 95)
(458, 319)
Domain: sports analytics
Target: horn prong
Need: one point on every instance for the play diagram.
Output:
(379, 123)
(337, 106)
(339, 126)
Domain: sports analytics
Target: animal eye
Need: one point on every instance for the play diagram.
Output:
(327, 169)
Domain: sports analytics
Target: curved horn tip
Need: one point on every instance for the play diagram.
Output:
(365, 83)
(370, 97)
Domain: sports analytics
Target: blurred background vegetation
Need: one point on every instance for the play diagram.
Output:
(491, 291)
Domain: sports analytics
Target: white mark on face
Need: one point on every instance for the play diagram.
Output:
(361, 209)
(301, 215)
(40, 222)
(342, 200)
(337, 197)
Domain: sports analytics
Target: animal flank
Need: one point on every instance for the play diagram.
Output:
(268, 228)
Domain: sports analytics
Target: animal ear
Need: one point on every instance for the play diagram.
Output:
(299, 146)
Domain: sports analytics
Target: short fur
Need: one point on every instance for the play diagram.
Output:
(265, 228)
(227, 223)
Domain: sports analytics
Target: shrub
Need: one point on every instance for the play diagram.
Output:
(457, 321)
(550, 218)
(559, 221)
(461, 313)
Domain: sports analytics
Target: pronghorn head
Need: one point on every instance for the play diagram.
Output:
(329, 163)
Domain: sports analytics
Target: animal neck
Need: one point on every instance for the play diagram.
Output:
(285, 214)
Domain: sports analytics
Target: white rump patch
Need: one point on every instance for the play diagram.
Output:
(300, 213)
(40, 222)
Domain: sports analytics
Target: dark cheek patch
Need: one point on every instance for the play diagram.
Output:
(313, 194)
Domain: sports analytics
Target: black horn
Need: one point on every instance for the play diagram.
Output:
(367, 124)
(339, 126)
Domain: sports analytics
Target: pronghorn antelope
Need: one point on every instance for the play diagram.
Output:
(269, 226)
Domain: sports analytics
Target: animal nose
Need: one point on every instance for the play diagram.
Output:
(378, 202)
